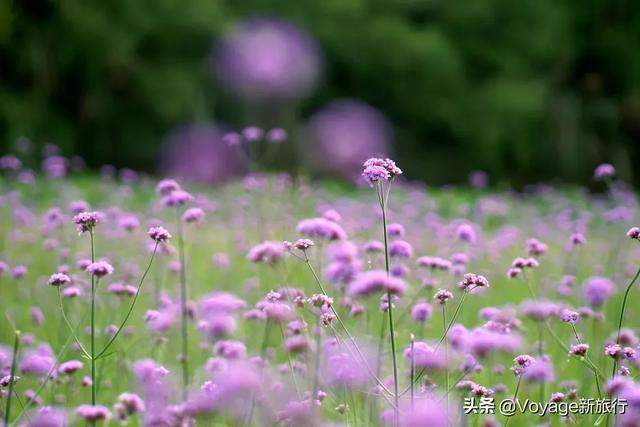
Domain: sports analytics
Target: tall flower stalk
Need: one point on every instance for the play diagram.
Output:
(12, 377)
(86, 223)
(174, 197)
(380, 173)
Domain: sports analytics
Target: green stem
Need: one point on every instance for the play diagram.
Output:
(515, 397)
(184, 360)
(93, 324)
(12, 377)
(624, 304)
(133, 303)
(446, 358)
(383, 206)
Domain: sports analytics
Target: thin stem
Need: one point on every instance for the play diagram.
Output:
(12, 377)
(133, 303)
(184, 360)
(515, 397)
(383, 206)
(344, 327)
(446, 356)
(413, 367)
(93, 324)
(68, 323)
(624, 304)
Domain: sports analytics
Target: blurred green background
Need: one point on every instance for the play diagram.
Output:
(528, 90)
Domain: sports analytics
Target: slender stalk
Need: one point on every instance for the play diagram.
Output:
(93, 324)
(624, 305)
(12, 378)
(184, 359)
(413, 367)
(344, 327)
(68, 323)
(133, 303)
(446, 357)
(383, 206)
(515, 398)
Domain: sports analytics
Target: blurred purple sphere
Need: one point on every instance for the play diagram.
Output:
(346, 133)
(198, 153)
(267, 59)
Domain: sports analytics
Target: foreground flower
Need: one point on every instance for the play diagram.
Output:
(59, 279)
(86, 221)
(159, 234)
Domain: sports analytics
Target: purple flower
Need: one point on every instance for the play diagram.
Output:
(425, 356)
(177, 198)
(70, 367)
(100, 268)
(59, 279)
(86, 221)
(93, 412)
(345, 132)
(597, 290)
(471, 281)
(268, 59)
(374, 281)
(277, 135)
(47, 416)
(579, 349)
(395, 230)
(267, 252)
(540, 371)
(604, 170)
(303, 244)
(421, 311)
(634, 233)
(193, 215)
(442, 295)
(466, 233)
(321, 228)
(159, 234)
(569, 316)
(132, 403)
(400, 249)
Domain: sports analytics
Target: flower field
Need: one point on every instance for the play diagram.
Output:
(274, 300)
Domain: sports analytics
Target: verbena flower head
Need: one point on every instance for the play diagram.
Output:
(535, 247)
(167, 186)
(425, 356)
(159, 234)
(192, 215)
(86, 221)
(380, 170)
(604, 170)
(471, 281)
(634, 233)
(47, 416)
(597, 290)
(435, 263)
(421, 311)
(93, 412)
(177, 198)
(268, 252)
(70, 367)
(578, 349)
(321, 228)
(540, 371)
(400, 249)
(442, 296)
(131, 403)
(303, 244)
(59, 279)
(100, 268)
(374, 281)
(569, 316)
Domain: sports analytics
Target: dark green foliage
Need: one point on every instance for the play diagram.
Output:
(529, 90)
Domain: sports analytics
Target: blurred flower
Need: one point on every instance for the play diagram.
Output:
(268, 59)
(198, 153)
(344, 134)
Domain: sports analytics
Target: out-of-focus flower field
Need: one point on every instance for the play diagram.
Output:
(127, 300)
